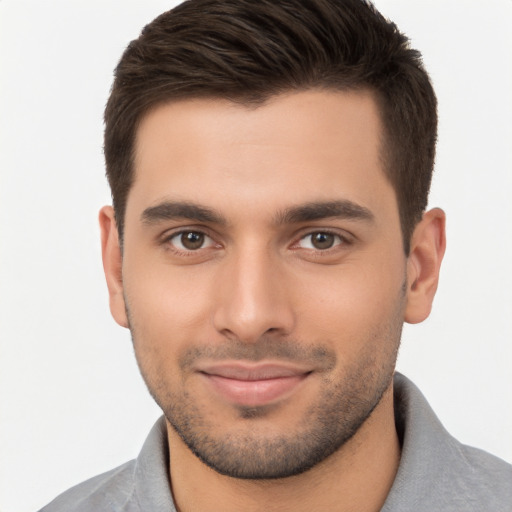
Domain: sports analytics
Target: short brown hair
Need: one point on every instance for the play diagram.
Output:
(249, 50)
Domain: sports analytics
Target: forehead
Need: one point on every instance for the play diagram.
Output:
(294, 148)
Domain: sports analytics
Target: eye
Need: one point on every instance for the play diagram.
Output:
(190, 241)
(320, 241)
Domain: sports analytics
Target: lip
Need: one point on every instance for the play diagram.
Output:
(254, 385)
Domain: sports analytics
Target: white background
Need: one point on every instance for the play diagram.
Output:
(72, 403)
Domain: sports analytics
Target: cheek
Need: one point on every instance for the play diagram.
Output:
(352, 301)
(166, 304)
(174, 305)
(166, 313)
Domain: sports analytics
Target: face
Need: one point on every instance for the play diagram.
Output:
(263, 276)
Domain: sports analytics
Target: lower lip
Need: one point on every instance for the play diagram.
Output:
(253, 393)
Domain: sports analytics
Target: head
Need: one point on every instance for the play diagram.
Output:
(248, 52)
(269, 163)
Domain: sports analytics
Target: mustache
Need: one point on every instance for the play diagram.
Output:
(319, 356)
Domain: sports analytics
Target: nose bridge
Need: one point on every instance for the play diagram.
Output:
(252, 297)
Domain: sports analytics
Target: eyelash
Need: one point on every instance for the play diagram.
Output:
(344, 241)
(186, 252)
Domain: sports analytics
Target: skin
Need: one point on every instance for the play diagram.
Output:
(259, 289)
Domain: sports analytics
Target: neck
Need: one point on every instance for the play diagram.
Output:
(356, 477)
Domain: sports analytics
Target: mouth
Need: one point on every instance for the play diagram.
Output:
(253, 385)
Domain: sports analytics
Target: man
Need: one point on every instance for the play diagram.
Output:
(270, 165)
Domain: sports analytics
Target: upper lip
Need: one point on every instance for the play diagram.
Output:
(249, 372)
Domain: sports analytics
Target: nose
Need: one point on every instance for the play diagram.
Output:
(253, 298)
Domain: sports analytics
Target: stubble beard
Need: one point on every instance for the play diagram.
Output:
(346, 401)
(340, 412)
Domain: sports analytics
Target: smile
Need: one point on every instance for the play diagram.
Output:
(252, 386)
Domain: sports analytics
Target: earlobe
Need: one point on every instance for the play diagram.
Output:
(428, 245)
(112, 264)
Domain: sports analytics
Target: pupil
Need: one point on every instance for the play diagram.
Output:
(192, 240)
(323, 240)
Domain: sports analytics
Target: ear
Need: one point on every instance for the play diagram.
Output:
(112, 264)
(428, 244)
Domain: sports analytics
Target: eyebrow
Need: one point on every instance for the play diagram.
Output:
(170, 210)
(318, 210)
(312, 211)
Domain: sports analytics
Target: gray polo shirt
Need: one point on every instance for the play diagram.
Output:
(436, 472)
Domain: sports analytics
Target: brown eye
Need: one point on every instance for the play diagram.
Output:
(320, 240)
(191, 241)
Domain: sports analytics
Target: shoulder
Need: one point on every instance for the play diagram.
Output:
(470, 479)
(436, 471)
(113, 491)
(139, 485)
(484, 475)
